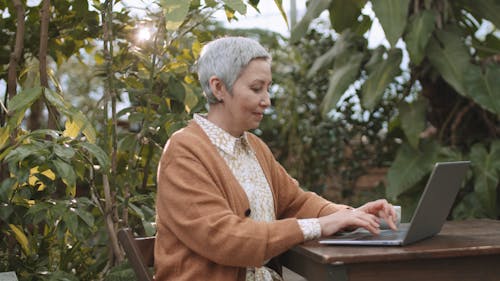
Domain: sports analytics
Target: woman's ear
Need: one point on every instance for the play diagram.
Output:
(217, 86)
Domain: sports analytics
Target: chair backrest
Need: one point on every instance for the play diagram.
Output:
(139, 251)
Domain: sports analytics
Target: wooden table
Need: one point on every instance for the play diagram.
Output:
(463, 250)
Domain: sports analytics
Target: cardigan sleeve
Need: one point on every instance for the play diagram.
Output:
(192, 204)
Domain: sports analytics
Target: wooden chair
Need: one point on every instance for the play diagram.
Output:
(139, 252)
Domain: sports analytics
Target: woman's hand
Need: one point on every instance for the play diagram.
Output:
(367, 216)
(348, 218)
(382, 209)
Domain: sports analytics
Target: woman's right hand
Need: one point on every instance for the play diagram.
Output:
(348, 219)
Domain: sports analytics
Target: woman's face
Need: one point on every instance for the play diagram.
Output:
(244, 107)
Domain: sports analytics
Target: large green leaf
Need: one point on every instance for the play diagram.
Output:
(345, 13)
(486, 166)
(419, 31)
(392, 15)
(67, 174)
(345, 72)
(24, 99)
(382, 75)
(98, 153)
(376, 57)
(314, 9)
(23, 151)
(344, 43)
(410, 166)
(85, 216)
(78, 121)
(449, 55)
(412, 117)
(484, 86)
(64, 152)
(175, 12)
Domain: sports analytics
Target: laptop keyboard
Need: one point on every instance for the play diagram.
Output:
(365, 235)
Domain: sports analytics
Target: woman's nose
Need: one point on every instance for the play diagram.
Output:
(266, 100)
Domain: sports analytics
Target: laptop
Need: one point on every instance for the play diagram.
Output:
(429, 216)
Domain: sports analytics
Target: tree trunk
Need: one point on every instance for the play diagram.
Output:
(15, 56)
(458, 120)
(42, 57)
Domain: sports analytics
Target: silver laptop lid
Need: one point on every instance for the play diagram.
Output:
(436, 200)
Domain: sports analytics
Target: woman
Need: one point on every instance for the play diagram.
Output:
(225, 206)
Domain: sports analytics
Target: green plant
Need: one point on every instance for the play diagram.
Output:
(326, 154)
(448, 108)
(77, 165)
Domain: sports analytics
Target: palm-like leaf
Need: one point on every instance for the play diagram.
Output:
(345, 13)
(409, 167)
(419, 31)
(484, 87)
(450, 57)
(412, 117)
(314, 9)
(382, 75)
(486, 166)
(344, 73)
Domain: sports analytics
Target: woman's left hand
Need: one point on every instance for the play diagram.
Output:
(382, 209)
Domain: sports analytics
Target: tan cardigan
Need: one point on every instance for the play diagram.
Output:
(203, 232)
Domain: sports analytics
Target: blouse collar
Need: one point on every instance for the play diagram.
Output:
(219, 137)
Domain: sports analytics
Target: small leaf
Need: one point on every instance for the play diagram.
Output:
(190, 99)
(237, 5)
(175, 12)
(4, 136)
(413, 120)
(72, 130)
(21, 239)
(149, 227)
(279, 4)
(392, 15)
(84, 126)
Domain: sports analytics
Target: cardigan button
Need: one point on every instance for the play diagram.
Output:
(247, 212)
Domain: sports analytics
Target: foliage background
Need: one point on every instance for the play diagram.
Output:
(88, 109)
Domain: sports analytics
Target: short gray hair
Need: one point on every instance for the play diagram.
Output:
(226, 58)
